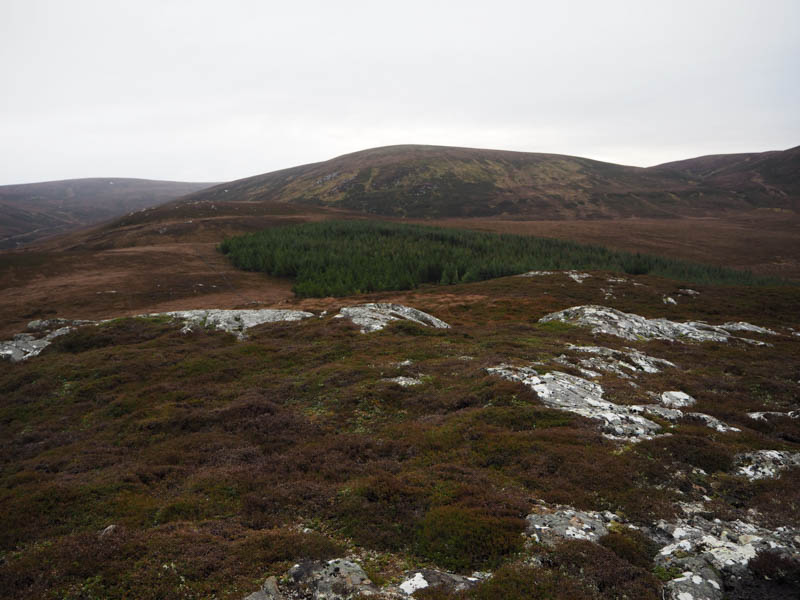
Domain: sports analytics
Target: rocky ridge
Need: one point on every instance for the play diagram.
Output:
(369, 317)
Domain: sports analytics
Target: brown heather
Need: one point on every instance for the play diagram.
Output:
(223, 462)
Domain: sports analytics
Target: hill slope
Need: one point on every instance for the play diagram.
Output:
(35, 210)
(441, 182)
(770, 179)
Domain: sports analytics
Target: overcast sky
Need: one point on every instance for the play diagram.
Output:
(212, 91)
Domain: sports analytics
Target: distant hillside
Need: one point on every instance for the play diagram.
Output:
(769, 179)
(440, 182)
(32, 211)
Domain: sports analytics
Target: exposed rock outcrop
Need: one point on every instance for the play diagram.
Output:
(712, 422)
(574, 394)
(549, 525)
(574, 275)
(706, 557)
(771, 414)
(343, 579)
(39, 335)
(577, 395)
(677, 400)
(763, 464)
(376, 316)
(233, 321)
(630, 326)
(424, 578)
(404, 381)
(624, 363)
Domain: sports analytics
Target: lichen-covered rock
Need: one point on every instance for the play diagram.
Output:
(670, 414)
(714, 555)
(770, 414)
(54, 324)
(574, 275)
(550, 524)
(630, 326)
(677, 400)
(624, 363)
(424, 578)
(337, 579)
(404, 381)
(707, 557)
(698, 581)
(574, 394)
(763, 464)
(26, 345)
(743, 326)
(712, 422)
(233, 321)
(342, 579)
(376, 316)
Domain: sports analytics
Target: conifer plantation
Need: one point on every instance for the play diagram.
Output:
(339, 258)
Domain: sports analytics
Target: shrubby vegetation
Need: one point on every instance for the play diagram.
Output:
(340, 258)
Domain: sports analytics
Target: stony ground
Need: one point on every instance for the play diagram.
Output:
(502, 456)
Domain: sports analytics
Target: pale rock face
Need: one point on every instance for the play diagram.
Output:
(417, 582)
(742, 326)
(27, 345)
(233, 321)
(574, 275)
(574, 394)
(562, 391)
(707, 553)
(24, 345)
(624, 363)
(404, 381)
(766, 416)
(713, 422)
(630, 326)
(343, 579)
(548, 525)
(677, 400)
(337, 579)
(578, 277)
(40, 335)
(422, 578)
(670, 414)
(376, 316)
(712, 551)
(763, 464)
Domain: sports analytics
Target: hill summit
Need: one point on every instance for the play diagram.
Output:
(441, 182)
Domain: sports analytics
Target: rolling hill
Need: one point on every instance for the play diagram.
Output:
(29, 212)
(434, 182)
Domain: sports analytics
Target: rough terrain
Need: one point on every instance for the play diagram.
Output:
(469, 445)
